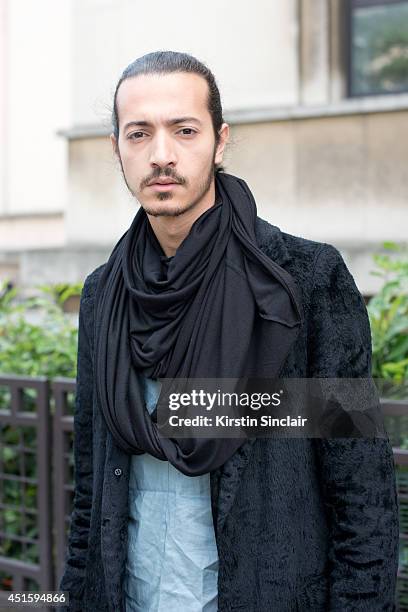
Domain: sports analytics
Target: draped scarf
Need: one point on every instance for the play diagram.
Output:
(219, 308)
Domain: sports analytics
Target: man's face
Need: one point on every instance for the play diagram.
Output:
(166, 132)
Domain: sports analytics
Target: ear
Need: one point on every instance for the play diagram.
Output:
(224, 135)
(114, 143)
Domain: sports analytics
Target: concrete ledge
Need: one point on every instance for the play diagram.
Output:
(30, 267)
(352, 106)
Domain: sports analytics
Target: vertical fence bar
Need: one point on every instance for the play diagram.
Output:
(63, 424)
(44, 484)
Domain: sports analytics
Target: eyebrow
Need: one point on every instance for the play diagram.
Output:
(168, 122)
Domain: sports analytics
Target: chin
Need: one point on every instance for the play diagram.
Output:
(164, 210)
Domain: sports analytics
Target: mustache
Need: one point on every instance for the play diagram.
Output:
(167, 174)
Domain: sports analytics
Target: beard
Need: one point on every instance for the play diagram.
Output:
(164, 211)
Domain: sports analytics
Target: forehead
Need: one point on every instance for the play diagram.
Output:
(154, 97)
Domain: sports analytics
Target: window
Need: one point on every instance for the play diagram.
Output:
(378, 47)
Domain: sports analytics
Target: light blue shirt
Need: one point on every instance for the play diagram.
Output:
(172, 562)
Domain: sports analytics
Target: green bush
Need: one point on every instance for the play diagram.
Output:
(388, 313)
(46, 347)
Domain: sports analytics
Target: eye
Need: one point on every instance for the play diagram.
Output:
(135, 135)
(189, 131)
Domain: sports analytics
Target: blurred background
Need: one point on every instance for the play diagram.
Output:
(316, 94)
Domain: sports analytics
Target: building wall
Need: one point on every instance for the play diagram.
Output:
(35, 101)
(339, 179)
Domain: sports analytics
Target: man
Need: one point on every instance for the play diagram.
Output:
(200, 286)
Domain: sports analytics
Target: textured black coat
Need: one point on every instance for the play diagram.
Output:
(301, 524)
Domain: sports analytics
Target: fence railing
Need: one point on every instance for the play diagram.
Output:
(37, 482)
(396, 417)
(25, 485)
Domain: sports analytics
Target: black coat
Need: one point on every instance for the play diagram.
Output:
(301, 524)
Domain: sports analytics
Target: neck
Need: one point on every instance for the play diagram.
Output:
(171, 231)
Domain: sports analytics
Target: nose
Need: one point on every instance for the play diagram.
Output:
(162, 151)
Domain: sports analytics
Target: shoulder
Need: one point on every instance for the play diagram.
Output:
(299, 253)
(86, 306)
(91, 283)
(318, 268)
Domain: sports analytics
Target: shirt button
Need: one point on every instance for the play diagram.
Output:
(118, 472)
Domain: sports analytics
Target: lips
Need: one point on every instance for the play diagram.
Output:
(163, 186)
(164, 182)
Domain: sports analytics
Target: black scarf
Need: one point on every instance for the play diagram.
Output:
(221, 309)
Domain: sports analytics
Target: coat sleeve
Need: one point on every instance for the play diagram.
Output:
(73, 578)
(357, 475)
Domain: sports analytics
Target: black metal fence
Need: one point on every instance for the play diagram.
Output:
(37, 482)
(26, 562)
(396, 418)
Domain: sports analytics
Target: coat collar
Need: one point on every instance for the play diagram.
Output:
(225, 480)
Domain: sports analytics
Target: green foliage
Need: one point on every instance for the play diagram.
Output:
(388, 312)
(36, 336)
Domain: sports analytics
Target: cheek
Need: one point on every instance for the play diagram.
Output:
(199, 159)
(129, 156)
(131, 162)
(129, 169)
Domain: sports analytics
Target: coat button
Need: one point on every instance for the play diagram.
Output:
(118, 472)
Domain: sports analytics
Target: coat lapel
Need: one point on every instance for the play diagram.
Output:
(226, 479)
